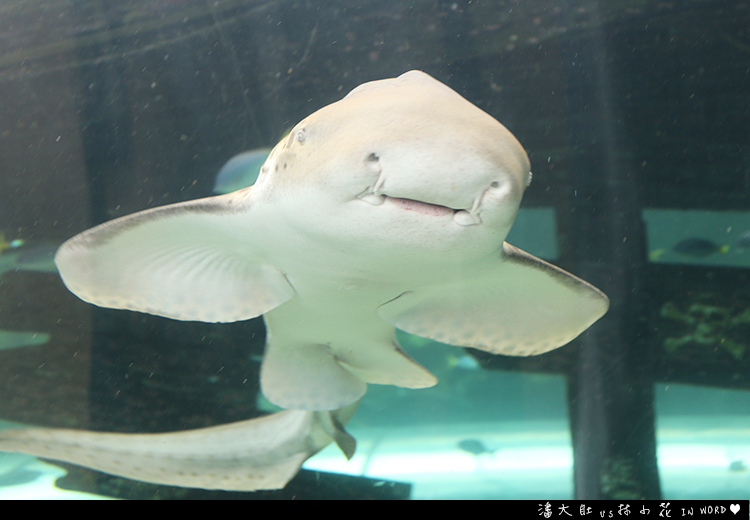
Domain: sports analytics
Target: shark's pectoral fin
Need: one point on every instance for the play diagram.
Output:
(190, 261)
(262, 453)
(307, 377)
(521, 307)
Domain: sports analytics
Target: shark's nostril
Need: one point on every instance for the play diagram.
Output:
(494, 184)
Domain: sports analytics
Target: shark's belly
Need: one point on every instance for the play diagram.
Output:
(340, 315)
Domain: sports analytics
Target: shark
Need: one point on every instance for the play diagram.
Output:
(386, 209)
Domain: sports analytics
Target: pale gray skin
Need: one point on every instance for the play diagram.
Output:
(263, 453)
(386, 209)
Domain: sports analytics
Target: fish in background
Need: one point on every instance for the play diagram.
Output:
(240, 171)
(699, 247)
(693, 247)
(475, 447)
(37, 256)
(27, 255)
(463, 361)
(9, 245)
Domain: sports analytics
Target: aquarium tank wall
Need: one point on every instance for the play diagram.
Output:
(635, 117)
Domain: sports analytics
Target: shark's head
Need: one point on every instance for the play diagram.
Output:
(406, 162)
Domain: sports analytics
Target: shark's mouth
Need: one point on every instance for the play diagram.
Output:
(421, 207)
(374, 195)
(461, 217)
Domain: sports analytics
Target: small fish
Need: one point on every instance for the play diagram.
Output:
(37, 256)
(475, 447)
(27, 255)
(6, 244)
(463, 362)
(240, 171)
(699, 247)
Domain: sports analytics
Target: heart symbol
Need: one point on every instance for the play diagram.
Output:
(734, 508)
